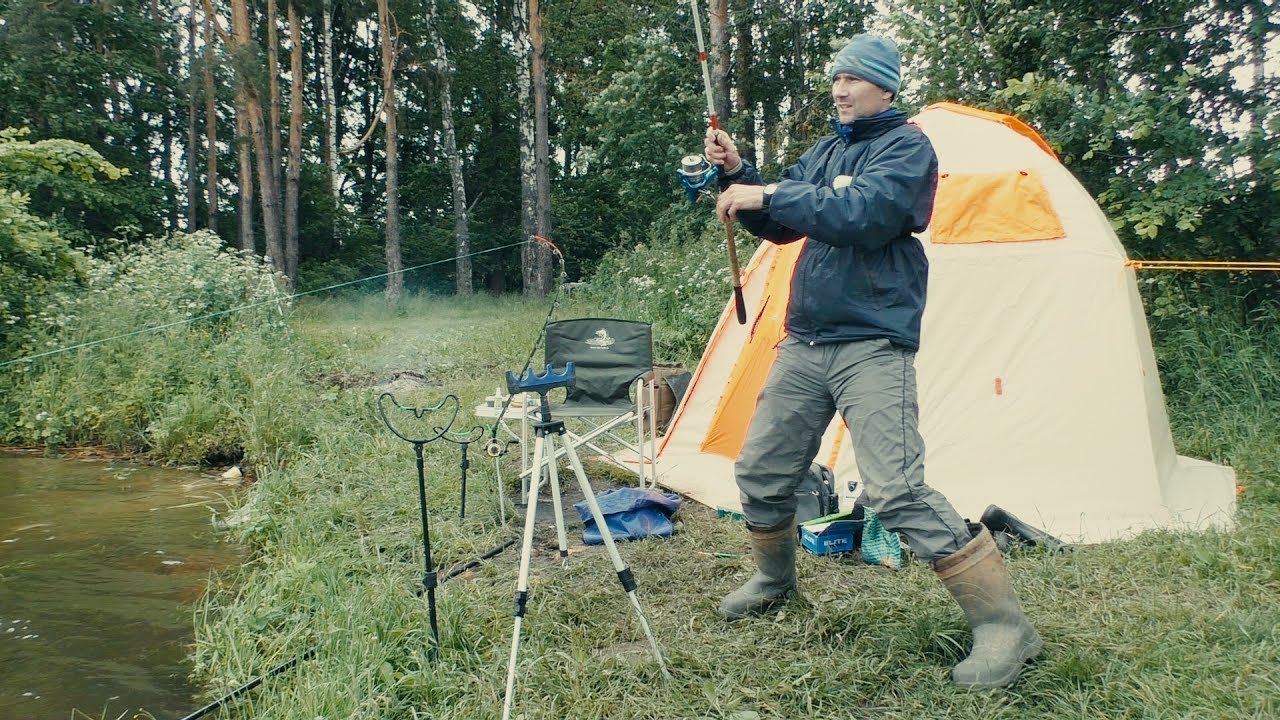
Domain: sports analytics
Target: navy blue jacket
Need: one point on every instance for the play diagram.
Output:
(859, 196)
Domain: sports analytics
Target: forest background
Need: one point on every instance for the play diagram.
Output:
(348, 139)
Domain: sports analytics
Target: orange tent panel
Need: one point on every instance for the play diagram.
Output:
(733, 413)
(994, 207)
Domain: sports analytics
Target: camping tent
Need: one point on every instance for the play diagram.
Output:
(1038, 384)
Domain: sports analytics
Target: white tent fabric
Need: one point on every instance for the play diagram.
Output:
(1038, 384)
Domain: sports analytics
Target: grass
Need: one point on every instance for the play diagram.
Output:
(1164, 626)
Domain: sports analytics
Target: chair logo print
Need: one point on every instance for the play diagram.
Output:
(601, 341)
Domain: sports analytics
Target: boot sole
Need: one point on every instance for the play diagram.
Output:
(760, 608)
(1030, 651)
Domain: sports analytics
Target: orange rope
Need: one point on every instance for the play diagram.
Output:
(1230, 265)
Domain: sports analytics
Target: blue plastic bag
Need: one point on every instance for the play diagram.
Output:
(630, 513)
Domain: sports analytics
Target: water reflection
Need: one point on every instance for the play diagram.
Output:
(99, 565)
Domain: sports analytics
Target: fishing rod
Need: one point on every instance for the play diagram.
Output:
(495, 448)
(686, 170)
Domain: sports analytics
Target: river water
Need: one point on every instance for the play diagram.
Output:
(100, 567)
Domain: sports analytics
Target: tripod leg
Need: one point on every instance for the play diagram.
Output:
(624, 573)
(557, 503)
(522, 579)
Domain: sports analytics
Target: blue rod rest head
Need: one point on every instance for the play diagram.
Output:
(541, 384)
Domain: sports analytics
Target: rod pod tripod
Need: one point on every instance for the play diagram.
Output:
(545, 432)
(429, 577)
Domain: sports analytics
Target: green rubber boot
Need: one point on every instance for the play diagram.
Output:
(774, 550)
(1003, 639)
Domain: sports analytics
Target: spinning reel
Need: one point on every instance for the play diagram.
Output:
(696, 174)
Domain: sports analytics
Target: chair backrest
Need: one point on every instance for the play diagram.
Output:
(608, 356)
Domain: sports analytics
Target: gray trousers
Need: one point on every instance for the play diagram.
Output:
(873, 385)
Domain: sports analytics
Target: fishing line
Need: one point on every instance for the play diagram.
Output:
(220, 313)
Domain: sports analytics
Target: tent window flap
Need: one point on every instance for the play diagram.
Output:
(994, 207)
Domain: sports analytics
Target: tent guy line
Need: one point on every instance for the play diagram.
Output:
(1204, 265)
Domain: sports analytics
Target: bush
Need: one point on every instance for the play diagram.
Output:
(183, 351)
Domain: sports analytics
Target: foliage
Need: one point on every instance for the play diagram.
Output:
(34, 255)
(184, 344)
(100, 74)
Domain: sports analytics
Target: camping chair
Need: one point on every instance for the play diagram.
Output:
(613, 362)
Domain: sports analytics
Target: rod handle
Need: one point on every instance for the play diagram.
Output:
(736, 275)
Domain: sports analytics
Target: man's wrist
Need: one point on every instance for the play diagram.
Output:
(736, 171)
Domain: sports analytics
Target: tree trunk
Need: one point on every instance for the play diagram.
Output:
(542, 145)
(244, 177)
(769, 124)
(718, 20)
(268, 192)
(210, 129)
(528, 181)
(370, 163)
(330, 111)
(534, 259)
(168, 123)
(461, 229)
(193, 119)
(799, 90)
(395, 280)
(1259, 29)
(743, 100)
(295, 144)
(273, 86)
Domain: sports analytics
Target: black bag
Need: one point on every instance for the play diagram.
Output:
(817, 494)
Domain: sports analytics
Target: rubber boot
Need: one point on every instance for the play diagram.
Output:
(1003, 639)
(774, 550)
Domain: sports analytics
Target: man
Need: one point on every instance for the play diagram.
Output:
(853, 326)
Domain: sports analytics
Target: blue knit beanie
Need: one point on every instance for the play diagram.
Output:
(872, 58)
